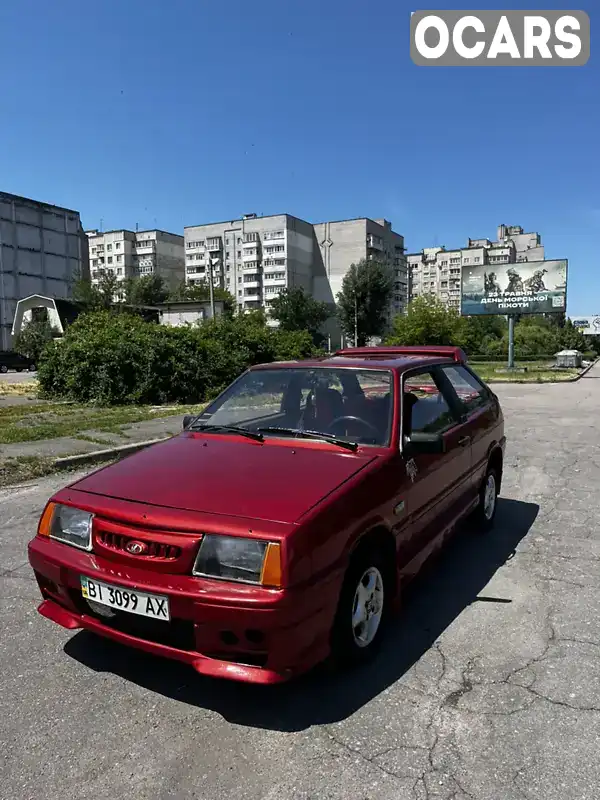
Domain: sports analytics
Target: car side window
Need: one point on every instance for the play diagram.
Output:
(425, 409)
(471, 393)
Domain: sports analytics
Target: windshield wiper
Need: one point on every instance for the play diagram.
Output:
(328, 437)
(258, 437)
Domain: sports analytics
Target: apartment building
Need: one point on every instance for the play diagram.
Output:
(349, 241)
(255, 257)
(437, 271)
(43, 250)
(130, 254)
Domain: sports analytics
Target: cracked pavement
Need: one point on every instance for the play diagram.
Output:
(487, 688)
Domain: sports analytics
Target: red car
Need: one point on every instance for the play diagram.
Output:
(280, 526)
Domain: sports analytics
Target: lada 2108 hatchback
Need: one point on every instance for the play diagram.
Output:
(278, 528)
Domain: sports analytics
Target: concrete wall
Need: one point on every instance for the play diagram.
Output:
(43, 250)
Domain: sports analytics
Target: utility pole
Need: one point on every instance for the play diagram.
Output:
(211, 288)
(355, 311)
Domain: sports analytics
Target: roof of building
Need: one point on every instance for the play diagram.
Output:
(10, 196)
(245, 219)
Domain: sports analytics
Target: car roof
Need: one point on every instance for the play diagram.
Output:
(395, 358)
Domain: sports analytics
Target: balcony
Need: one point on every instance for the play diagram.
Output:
(252, 295)
(252, 284)
(250, 242)
(251, 257)
(214, 245)
(374, 242)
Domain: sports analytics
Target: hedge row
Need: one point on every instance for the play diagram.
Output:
(115, 359)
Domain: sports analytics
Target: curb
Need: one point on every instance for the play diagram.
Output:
(97, 456)
(585, 372)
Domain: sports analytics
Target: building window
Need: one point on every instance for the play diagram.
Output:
(465, 261)
(477, 259)
(239, 253)
(119, 258)
(190, 245)
(119, 270)
(276, 248)
(117, 245)
(109, 259)
(93, 250)
(108, 247)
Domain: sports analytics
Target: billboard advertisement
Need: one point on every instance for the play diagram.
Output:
(589, 326)
(528, 287)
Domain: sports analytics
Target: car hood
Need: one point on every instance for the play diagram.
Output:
(226, 475)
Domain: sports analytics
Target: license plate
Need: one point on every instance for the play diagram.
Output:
(155, 606)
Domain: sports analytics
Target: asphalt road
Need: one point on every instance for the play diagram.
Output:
(488, 687)
(17, 377)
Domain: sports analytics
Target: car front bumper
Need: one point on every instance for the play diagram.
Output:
(239, 632)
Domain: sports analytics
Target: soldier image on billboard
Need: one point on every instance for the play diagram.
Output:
(491, 284)
(515, 282)
(536, 282)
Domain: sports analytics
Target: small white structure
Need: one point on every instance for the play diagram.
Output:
(24, 312)
(569, 358)
(187, 312)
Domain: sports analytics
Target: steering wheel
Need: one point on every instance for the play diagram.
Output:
(367, 425)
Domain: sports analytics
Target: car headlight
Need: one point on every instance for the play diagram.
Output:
(236, 558)
(68, 525)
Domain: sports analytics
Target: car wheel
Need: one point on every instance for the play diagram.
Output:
(3, 368)
(18, 369)
(362, 609)
(485, 513)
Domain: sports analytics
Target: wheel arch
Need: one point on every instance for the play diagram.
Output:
(496, 461)
(380, 538)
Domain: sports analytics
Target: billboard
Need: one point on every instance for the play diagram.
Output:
(528, 287)
(589, 326)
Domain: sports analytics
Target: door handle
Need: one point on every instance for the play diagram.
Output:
(464, 441)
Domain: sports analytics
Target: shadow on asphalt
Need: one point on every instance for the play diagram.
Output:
(448, 586)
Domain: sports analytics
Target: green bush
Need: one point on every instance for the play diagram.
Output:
(115, 359)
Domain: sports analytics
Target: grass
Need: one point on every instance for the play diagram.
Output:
(24, 468)
(25, 389)
(53, 420)
(537, 372)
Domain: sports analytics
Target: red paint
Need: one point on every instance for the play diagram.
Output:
(313, 498)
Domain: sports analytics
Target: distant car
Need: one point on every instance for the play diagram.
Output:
(12, 360)
(280, 526)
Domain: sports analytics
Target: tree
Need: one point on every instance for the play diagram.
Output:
(147, 290)
(200, 292)
(297, 311)
(364, 300)
(428, 321)
(571, 338)
(99, 296)
(33, 338)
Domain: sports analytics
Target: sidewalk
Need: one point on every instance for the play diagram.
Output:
(160, 427)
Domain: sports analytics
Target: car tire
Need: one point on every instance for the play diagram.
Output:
(363, 609)
(18, 369)
(3, 368)
(485, 513)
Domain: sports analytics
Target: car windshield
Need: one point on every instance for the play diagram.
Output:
(350, 405)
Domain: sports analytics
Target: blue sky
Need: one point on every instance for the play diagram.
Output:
(179, 113)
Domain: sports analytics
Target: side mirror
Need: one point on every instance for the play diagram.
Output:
(424, 443)
(188, 419)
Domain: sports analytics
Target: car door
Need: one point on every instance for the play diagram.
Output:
(480, 414)
(434, 486)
